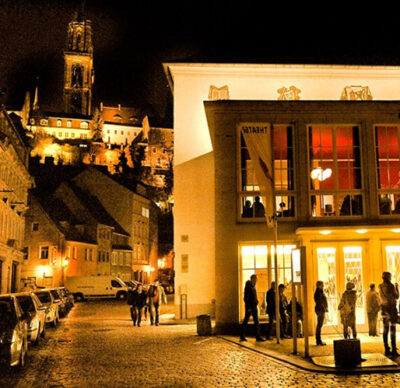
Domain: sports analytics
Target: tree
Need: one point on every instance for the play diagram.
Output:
(97, 126)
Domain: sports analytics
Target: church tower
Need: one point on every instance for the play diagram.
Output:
(78, 66)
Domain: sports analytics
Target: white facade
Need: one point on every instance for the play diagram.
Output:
(119, 134)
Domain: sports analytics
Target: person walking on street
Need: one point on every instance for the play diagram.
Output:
(130, 301)
(373, 307)
(321, 307)
(250, 304)
(139, 301)
(347, 308)
(389, 294)
(270, 300)
(156, 295)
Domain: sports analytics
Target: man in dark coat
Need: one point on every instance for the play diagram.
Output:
(270, 300)
(389, 294)
(251, 303)
(321, 307)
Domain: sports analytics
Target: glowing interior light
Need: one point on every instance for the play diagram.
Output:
(362, 231)
(325, 232)
(396, 230)
(321, 174)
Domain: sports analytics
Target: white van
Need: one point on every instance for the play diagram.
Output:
(83, 287)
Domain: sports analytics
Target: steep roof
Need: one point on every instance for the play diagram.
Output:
(96, 209)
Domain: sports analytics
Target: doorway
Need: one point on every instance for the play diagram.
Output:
(338, 264)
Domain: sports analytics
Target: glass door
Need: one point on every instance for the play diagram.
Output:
(338, 264)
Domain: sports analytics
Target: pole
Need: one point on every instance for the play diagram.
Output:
(277, 319)
(294, 315)
(305, 296)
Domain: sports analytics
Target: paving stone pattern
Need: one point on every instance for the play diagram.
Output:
(97, 346)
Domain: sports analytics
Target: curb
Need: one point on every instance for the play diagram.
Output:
(308, 366)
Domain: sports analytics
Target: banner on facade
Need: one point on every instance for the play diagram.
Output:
(258, 139)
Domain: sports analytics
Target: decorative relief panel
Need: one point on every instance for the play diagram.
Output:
(286, 94)
(356, 93)
(221, 93)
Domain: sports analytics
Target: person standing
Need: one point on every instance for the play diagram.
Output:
(258, 207)
(347, 308)
(270, 300)
(250, 304)
(321, 307)
(283, 315)
(156, 295)
(373, 307)
(389, 293)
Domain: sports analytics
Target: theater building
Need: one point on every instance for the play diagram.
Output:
(336, 177)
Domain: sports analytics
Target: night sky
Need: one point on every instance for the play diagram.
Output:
(132, 39)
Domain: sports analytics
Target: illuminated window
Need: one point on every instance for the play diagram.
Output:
(335, 170)
(251, 206)
(72, 134)
(260, 260)
(84, 125)
(66, 134)
(44, 252)
(43, 122)
(60, 134)
(69, 123)
(59, 123)
(388, 169)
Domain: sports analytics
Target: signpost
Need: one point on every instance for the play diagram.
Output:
(299, 277)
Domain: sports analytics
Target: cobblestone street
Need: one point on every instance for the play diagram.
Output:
(97, 346)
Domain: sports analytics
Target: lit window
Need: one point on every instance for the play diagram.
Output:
(115, 132)
(388, 169)
(335, 171)
(59, 123)
(60, 134)
(72, 134)
(84, 125)
(251, 203)
(69, 123)
(66, 134)
(44, 252)
(43, 122)
(122, 132)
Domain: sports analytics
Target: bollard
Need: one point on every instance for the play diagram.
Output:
(204, 325)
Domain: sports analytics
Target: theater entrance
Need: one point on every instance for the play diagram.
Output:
(337, 264)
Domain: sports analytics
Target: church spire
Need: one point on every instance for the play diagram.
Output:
(78, 65)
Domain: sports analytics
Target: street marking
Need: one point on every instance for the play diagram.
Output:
(204, 340)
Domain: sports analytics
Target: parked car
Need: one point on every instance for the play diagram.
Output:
(36, 315)
(13, 332)
(69, 298)
(60, 300)
(131, 283)
(51, 311)
(83, 287)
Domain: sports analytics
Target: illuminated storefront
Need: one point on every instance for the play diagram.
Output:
(336, 174)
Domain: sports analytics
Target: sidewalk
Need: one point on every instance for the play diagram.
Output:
(283, 352)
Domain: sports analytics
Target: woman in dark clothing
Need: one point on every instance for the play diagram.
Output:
(347, 308)
(139, 298)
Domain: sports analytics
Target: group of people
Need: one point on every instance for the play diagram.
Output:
(285, 311)
(142, 301)
(255, 210)
(384, 301)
